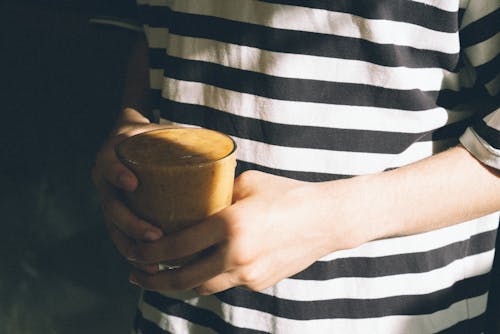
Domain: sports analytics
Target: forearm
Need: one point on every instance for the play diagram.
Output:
(443, 190)
(136, 88)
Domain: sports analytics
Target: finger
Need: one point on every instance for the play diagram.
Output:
(124, 244)
(255, 277)
(240, 190)
(216, 284)
(121, 241)
(128, 223)
(109, 169)
(188, 241)
(147, 268)
(243, 184)
(120, 176)
(184, 278)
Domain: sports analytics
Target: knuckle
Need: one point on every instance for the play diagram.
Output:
(242, 258)
(234, 224)
(241, 251)
(249, 277)
(233, 227)
(246, 177)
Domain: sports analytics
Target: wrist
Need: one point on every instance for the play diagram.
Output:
(350, 211)
(132, 115)
(127, 119)
(427, 195)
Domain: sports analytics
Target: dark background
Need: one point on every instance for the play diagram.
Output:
(61, 82)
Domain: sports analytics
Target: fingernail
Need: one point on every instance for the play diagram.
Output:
(131, 257)
(152, 235)
(126, 181)
(132, 279)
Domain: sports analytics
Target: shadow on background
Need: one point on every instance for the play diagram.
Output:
(62, 81)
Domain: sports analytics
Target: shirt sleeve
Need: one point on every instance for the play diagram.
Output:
(480, 41)
(123, 16)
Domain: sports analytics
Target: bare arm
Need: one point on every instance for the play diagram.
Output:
(136, 89)
(439, 191)
(278, 227)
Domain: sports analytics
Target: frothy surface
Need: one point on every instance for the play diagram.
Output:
(179, 146)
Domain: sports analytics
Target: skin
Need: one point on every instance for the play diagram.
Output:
(277, 227)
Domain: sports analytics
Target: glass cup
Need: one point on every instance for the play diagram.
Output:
(184, 174)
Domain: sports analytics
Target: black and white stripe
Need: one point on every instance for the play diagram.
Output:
(321, 90)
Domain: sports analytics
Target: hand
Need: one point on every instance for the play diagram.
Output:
(277, 227)
(111, 177)
(268, 234)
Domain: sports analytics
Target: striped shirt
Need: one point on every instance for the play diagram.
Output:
(320, 90)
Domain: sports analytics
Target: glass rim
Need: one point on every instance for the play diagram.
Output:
(192, 164)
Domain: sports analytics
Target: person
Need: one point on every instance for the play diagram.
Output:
(368, 194)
